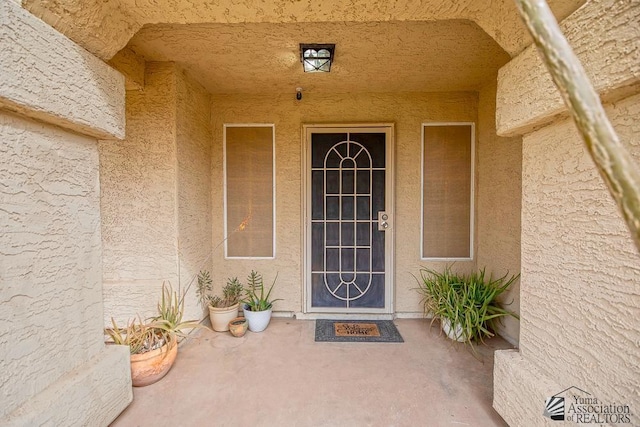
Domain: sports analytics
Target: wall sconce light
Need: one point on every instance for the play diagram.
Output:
(317, 58)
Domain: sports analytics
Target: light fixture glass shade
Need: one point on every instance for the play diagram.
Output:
(316, 58)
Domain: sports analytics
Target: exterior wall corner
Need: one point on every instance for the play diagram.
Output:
(47, 77)
(579, 291)
(602, 36)
(55, 100)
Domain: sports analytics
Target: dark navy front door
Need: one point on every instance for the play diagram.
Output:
(347, 248)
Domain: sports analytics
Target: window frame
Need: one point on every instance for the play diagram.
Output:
(273, 178)
(471, 256)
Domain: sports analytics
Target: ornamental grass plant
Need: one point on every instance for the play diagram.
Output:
(468, 302)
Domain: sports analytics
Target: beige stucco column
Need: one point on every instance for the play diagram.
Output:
(580, 285)
(156, 195)
(56, 100)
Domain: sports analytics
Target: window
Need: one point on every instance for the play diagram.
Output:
(447, 190)
(249, 190)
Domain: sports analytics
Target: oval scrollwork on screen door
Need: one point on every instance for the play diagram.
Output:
(352, 279)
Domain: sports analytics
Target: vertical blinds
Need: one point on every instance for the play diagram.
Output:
(447, 196)
(249, 191)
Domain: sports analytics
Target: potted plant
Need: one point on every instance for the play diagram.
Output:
(153, 344)
(256, 305)
(223, 309)
(466, 305)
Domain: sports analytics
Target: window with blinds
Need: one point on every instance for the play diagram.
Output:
(249, 183)
(447, 190)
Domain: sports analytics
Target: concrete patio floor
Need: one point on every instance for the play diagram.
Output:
(282, 377)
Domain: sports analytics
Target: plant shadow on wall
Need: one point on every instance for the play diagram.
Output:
(465, 304)
(153, 343)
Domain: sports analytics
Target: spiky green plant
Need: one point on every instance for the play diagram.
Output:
(140, 336)
(143, 336)
(170, 312)
(465, 300)
(255, 298)
(231, 292)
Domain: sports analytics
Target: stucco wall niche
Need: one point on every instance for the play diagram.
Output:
(55, 100)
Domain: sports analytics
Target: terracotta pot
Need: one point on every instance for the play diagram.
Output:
(148, 368)
(220, 317)
(238, 326)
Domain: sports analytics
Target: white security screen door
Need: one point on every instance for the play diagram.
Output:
(349, 220)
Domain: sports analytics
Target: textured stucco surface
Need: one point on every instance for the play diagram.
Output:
(96, 25)
(48, 77)
(580, 291)
(131, 66)
(370, 56)
(498, 198)
(104, 28)
(155, 194)
(407, 111)
(593, 267)
(137, 179)
(193, 142)
(580, 284)
(93, 394)
(51, 287)
(520, 389)
(604, 35)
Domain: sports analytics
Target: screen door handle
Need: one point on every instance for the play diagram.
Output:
(383, 221)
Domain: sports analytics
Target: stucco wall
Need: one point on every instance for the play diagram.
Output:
(593, 271)
(604, 35)
(193, 142)
(406, 110)
(51, 337)
(51, 281)
(499, 193)
(580, 300)
(155, 194)
(138, 199)
(38, 64)
(580, 285)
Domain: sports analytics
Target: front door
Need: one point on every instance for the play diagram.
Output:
(349, 219)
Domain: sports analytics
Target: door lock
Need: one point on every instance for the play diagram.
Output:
(383, 221)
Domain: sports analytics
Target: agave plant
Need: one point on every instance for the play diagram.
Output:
(467, 302)
(140, 336)
(170, 312)
(143, 336)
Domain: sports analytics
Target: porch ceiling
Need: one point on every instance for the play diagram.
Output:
(104, 27)
(453, 55)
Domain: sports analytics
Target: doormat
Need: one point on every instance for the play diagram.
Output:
(357, 331)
